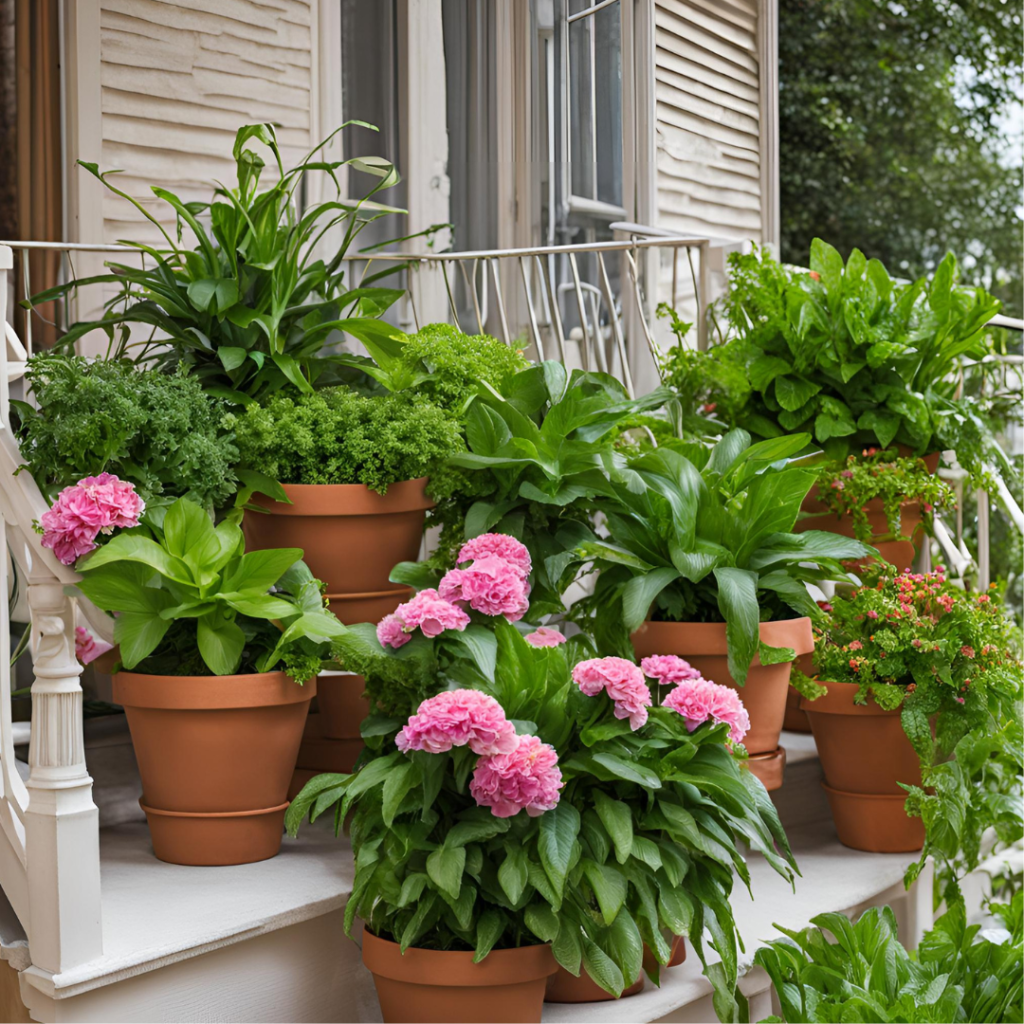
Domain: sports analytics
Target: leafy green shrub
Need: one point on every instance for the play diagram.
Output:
(950, 662)
(158, 430)
(188, 600)
(335, 436)
(458, 364)
(854, 358)
(956, 974)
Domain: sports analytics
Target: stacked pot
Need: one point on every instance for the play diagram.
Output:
(352, 538)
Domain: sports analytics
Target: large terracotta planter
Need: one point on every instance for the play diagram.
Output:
(216, 755)
(564, 988)
(351, 537)
(342, 705)
(864, 754)
(426, 985)
(703, 645)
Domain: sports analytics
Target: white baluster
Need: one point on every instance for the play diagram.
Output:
(61, 822)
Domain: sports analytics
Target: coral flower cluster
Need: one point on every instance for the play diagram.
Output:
(95, 505)
(700, 700)
(514, 773)
(493, 583)
(622, 681)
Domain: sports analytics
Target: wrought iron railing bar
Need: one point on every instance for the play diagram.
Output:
(613, 316)
(529, 305)
(638, 294)
(493, 264)
(581, 305)
(451, 298)
(554, 317)
(599, 345)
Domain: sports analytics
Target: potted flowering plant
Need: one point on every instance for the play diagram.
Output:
(927, 677)
(635, 805)
(879, 498)
(703, 563)
(208, 637)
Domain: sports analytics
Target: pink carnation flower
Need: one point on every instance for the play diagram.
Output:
(490, 585)
(456, 718)
(87, 647)
(95, 505)
(622, 681)
(500, 544)
(427, 612)
(668, 669)
(699, 700)
(527, 779)
(545, 636)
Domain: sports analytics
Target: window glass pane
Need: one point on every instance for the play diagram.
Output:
(581, 109)
(608, 103)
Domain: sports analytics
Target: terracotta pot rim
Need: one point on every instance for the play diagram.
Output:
(770, 755)
(708, 638)
(215, 814)
(882, 797)
(839, 701)
(208, 693)
(348, 499)
(367, 594)
(455, 968)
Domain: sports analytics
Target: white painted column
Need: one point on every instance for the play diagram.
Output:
(61, 821)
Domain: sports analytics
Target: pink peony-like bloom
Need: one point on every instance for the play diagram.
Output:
(872, 614)
(545, 636)
(87, 647)
(456, 718)
(390, 632)
(668, 669)
(426, 611)
(95, 505)
(513, 551)
(527, 779)
(622, 681)
(490, 585)
(699, 700)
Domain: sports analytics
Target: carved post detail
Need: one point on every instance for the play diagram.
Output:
(61, 821)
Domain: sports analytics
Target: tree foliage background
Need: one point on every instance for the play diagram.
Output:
(898, 134)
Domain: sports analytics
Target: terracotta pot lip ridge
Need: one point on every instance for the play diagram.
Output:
(839, 701)
(455, 968)
(200, 693)
(348, 499)
(708, 638)
(216, 814)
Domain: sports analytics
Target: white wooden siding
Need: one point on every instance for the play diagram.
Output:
(708, 117)
(178, 77)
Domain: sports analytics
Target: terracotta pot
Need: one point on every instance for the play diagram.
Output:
(351, 537)
(677, 957)
(216, 755)
(702, 644)
(427, 985)
(769, 768)
(864, 754)
(900, 553)
(317, 753)
(343, 707)
(564, 988)
(795, 720)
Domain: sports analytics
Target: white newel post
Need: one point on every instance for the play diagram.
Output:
(61, 822)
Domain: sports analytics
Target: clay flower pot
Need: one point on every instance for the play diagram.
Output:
(216, 754)
(703, 645)
(351, 537)
(564, 988)
(428, 985)
(796, 720)
(343, 707)
(864, 754)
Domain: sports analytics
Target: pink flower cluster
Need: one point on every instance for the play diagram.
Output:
(495, 582)
(668, 669)
(699, 700)
(87, 647)
(95, 505)
(526, 779)
(622, 681)
(457, 718)
(545, 636)
(426, 611)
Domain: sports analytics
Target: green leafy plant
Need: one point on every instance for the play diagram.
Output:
(540, 450)
(846, 486)
(158, 430)
(250, 306)
(949, 661)
(336, 436)
(707, 539)
(189, 601)
(866, 974)
(644, 841)
(851, 356)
